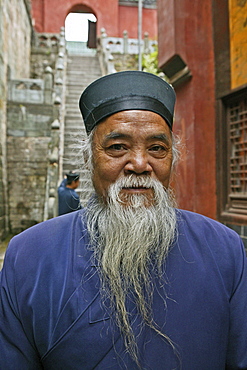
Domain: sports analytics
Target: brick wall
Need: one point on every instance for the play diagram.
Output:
(15, 44)
(28, 140)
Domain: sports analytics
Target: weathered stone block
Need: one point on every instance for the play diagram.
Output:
(29, 120)
(27, 160)
(26, 90)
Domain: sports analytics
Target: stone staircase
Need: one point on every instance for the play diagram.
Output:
(81, 71)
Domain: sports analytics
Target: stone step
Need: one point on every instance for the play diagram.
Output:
(74, 93)
(73, 129)
(75, 82)
(72, 97)
(73, 151)
(73, 122)
(73, 108)
(73, 147)
(71, 135)
(89, 75)
(74, 126)
(71, 115)
(82, 67)
(78, 65)
(82, 59)
(82, 79)
(74, 134)
(73, 112)
(73, 101)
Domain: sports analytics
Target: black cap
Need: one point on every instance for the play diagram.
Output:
(126, 91)
(72, 176)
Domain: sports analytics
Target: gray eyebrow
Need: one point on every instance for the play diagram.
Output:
(162, 137)
(120, 135)
(116, 135)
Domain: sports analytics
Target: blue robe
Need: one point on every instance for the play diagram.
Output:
(52, 317)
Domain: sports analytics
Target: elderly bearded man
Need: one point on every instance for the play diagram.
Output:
(129, 282)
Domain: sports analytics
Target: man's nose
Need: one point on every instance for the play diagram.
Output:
(138, 162)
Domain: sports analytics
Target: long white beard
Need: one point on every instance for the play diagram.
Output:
(128, 242)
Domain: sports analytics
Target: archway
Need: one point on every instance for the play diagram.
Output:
(76, 26)
(80, 29)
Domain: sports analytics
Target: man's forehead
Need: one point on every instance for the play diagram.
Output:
(129, 124)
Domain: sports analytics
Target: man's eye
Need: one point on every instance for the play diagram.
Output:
(116, 147)
(157, 148)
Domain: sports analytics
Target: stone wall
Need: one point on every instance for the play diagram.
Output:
(45, 48)
(28, 139)
(34, 126)
(15, 45)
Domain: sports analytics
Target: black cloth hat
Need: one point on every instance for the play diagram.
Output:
(72, 176)
(126, 91)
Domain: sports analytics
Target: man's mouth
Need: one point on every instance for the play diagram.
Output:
(136, 188)
(136, 185)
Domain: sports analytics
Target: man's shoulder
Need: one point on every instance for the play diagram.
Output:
(211, 245)
(199, 220)
(201, 228)
(53, 224)
(49, 237)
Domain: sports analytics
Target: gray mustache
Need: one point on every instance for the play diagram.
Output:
(133, 181)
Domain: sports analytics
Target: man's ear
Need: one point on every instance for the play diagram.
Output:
(86, 157)
(87, 151)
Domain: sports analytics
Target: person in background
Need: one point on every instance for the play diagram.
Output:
(130, 281)
(68, 199)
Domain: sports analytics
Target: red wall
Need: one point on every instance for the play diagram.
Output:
(185, 28)
(114, 18)
(48, 20)
(128, 20)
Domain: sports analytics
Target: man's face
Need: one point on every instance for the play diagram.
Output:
(131, 142)
(75, 184)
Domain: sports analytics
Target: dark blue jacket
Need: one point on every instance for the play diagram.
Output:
(52, 317)
(68, 199)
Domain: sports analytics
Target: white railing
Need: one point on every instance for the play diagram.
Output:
(108, 46)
